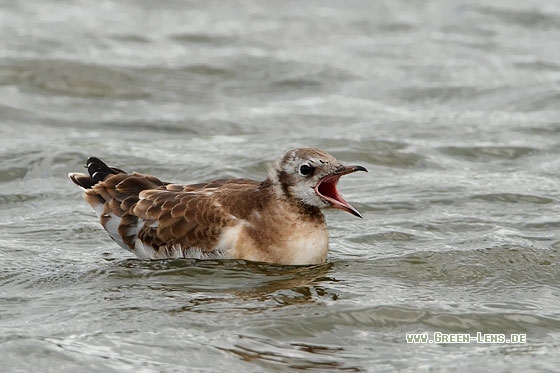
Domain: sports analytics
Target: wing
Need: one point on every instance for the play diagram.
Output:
(154, 219)
(191, 216)
(183, 220)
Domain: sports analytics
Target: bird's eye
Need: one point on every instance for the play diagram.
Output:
(306, 169)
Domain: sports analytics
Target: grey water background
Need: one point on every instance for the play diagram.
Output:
(453, 106)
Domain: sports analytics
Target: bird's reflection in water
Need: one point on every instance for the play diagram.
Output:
(217, 285)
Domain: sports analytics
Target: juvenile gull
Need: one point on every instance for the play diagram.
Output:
(278, 220)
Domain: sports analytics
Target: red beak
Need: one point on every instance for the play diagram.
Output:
(326, 189)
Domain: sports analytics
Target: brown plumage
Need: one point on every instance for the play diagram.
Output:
(278, 220)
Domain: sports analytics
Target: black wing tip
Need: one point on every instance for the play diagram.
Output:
(97, 170)
(95, 160)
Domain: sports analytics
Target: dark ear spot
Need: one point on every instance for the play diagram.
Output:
(284, 180)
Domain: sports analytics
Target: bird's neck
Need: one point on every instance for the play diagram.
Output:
(281, 194)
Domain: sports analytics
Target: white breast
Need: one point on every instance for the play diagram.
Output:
(309, 246)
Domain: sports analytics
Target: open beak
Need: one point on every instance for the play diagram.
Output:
(326, 189)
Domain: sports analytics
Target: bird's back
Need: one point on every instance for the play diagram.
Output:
(155, 219)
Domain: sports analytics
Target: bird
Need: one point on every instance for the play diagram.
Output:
(277, 220)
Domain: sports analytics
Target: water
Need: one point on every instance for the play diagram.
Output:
(452, 106)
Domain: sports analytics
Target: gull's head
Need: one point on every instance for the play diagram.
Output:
(311, 176)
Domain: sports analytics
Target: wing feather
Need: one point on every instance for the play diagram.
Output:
(136, 183)
(179, 209)
(128, 203)
(163, 216)
(188, 219)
